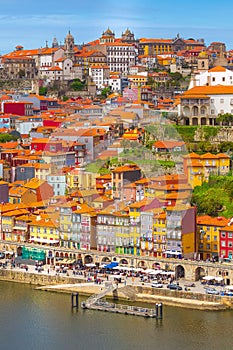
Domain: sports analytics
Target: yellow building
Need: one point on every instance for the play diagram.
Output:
(66, 211)
(72, 179)
(44, 230)
(8, 224)
(208, 235)
(135, 224)
(137, 80)
(198, 168)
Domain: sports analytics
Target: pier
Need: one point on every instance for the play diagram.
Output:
(96, 302)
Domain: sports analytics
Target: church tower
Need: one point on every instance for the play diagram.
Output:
(202, 62)
(69, 46)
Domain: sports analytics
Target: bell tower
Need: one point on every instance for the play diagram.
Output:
(69, 46)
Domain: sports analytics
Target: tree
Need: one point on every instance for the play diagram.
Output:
(225, 119)
(105, 92)
(43, 91)
(77, 85)
(6, 138)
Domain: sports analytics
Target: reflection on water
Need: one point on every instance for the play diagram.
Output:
(36, 320)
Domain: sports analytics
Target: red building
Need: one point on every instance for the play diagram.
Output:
(226, 242)
(46, 145)
(18, 108)
(52, 122)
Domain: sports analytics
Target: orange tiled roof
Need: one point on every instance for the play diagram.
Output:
(209, 90)
(168, 144)
(212, 221)
(217, 69)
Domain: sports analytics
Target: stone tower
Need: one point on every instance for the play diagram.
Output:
(69, 46)
(202, 62)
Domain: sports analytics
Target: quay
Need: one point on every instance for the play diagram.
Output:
(96, 302)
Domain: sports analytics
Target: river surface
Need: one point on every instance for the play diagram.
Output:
(36, 320)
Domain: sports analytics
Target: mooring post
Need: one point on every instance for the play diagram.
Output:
(156, 310)
(161, 310)
(74, 300)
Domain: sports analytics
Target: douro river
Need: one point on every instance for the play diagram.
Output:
(36, 320)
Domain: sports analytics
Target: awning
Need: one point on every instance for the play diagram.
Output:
(20, 228)
(218, 279)
(112, 265)
(90, 265)
(172, 252)
(209, 278)
(44, 240)
(7, 252)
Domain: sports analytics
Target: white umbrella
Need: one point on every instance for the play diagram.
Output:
(149, 271)
(103, 266)
(208, 278)
(155, 272)
(218, 279)
(90, 265)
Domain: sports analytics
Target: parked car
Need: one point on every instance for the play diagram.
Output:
(173, 286)
(211, 291)
(156, 285)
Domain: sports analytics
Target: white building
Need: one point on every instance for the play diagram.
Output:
(201, 105)
(115, 82)
(212, 77)
(99, 74)
(121, 56)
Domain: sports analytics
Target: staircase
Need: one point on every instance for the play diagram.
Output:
(109, 287)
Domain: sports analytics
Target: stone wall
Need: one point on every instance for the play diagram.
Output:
(36, 278)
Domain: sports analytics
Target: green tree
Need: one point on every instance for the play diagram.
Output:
(43, 91)
(105, 92)
(6, 138)
(225, 119)
(77, 85)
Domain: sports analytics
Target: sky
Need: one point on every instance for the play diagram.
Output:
(32, 23)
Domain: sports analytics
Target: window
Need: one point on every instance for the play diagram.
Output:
(223, 78)
(221, 100)
(213, 79)
(215, 247)
(207, 246)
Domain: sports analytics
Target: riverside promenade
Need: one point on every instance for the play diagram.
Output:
(130, 289)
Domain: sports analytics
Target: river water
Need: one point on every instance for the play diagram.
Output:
(36, 320)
